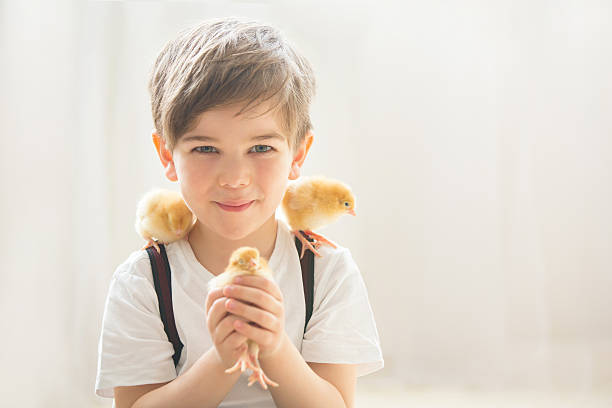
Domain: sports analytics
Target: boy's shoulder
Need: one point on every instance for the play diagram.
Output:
(334, 265)
(136, 265)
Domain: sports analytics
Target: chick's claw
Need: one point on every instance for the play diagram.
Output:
(250, 361)
(243, 363)
(313, 246)
(152, 243)
(258, 374)
(320, 239)
(317, 241)
(262, 378)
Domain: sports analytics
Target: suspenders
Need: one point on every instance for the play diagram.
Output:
(160, 268)
(307, 264)
(161, 278)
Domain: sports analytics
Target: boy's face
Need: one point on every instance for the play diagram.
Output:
(233, 171)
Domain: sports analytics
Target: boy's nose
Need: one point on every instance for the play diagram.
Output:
(234, 176)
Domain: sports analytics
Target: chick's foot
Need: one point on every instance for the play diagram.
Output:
(317, 241)
(243, 363)
(152, 243)
(306, 243)
(320, 239)
(262, 378)
(258, 374)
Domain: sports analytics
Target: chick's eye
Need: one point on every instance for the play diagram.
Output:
(205, 149)
(346, 204)
(261, 148)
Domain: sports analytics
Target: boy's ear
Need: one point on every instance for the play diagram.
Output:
(300, 156)
(165, 156)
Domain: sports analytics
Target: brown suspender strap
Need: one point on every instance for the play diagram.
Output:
(161, 277)
(307, 264)
(160, 268)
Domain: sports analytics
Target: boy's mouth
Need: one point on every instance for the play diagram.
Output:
(234, 207)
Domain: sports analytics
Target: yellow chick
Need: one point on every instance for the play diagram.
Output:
(244, 261)
(162, 216)
(314, 202)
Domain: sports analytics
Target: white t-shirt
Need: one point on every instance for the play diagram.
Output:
(135, 350)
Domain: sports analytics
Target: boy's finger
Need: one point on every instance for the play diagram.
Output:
(260, 282)
(254, 296)
(235, 340)
(216, 314)
(253, 314)
(212, 296)
(226, 327)
(259, 335)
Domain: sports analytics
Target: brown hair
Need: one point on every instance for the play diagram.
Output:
(224, 61)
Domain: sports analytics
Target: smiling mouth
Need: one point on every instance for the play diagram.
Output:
(234, 208)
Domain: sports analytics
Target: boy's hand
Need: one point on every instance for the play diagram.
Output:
(259, 301)
(229, 344)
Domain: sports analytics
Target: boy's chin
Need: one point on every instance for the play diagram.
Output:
(238, 232)
(242, 231)
(235, 235)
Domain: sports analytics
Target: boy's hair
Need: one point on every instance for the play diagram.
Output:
(224, 61)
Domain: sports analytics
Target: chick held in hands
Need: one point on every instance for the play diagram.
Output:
(163, 217)
(246, 261)
(314, 202)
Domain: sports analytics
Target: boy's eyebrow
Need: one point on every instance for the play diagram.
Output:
(201, 138)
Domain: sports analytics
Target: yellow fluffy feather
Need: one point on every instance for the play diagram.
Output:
(163, 217)
(314, 202)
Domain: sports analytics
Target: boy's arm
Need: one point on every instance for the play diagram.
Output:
(341, 376)
(307, 385)
(126, 396)
(204, 385)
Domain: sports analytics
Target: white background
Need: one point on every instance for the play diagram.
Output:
(477, 136)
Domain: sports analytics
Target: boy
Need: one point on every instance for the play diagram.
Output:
(230, 101)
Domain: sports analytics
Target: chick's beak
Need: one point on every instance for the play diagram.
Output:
(351, 211)
(252, 263)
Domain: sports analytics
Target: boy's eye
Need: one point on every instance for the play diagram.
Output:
(254, 149)
(205, 149)
(261, 148)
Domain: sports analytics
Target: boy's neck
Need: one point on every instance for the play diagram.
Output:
(213, 251)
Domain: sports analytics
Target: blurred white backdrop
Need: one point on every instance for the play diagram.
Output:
(477, 136)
